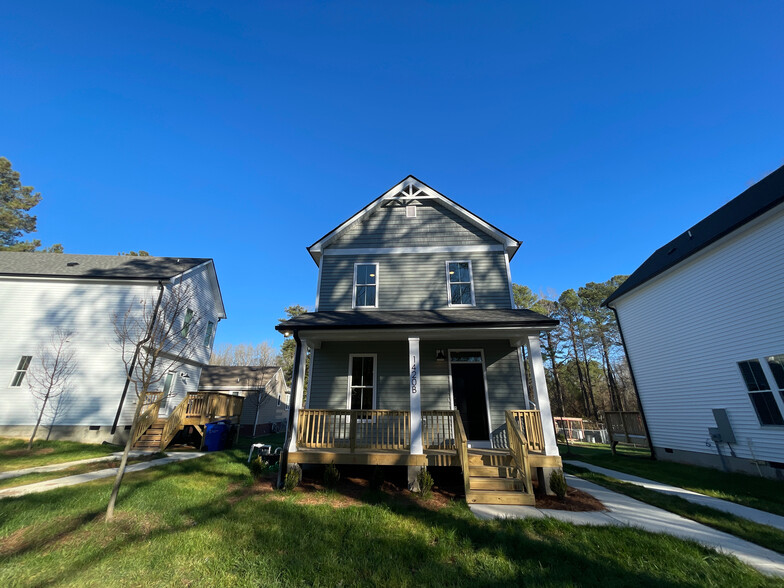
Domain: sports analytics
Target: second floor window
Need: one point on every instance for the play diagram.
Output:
(186, 323)
(760, 393)
(365, 285)
(21, 371)
(208, 334)
(460, 287)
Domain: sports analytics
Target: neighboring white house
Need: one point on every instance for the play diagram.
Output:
(40, 292)
(266, 404)
(703, 324)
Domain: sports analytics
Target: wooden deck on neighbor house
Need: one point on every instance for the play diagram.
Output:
(383, 437)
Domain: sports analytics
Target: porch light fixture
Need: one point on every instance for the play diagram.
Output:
(440, 356)
(287, 333)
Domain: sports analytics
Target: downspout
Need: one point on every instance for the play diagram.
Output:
(634, 381)
(284, 456)
(136, 356)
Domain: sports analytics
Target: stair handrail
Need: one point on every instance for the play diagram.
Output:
(148, 415)
(461, 445)
(518, 447)
(174, 422)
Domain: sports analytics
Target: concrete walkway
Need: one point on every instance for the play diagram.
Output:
(97, 475)
(67, 464)
(752, 514)
(625, 511)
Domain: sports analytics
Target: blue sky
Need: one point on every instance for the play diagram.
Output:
(243, 131)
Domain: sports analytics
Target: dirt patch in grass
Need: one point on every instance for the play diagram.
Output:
(26, 452)
(575, 501)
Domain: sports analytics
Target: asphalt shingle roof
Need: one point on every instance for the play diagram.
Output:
(14, 263)
(215, 376)
(761, 197)
(421, 319)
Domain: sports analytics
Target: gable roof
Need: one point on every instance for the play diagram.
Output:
(410, 188)
(105, 267)
(760, 198)
(227, 377)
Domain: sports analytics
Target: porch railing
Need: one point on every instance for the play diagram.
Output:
(386, 430)
(151, 402)
(199, 408)
(530, 423)
(518, 447)
(461, 445)
(438, 429)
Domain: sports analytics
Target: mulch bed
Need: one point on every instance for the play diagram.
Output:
(575, 501)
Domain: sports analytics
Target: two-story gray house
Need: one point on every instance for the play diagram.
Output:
(416, 350)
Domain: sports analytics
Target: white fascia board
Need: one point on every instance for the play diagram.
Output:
(419, 249)
(512, 334)
(511, 245)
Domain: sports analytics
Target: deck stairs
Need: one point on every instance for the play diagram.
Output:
(493, 479)
(151, 439)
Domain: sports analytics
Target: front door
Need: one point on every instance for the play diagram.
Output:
(468, 392)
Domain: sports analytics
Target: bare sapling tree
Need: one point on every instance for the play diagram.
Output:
(50, 376)
(155, 336)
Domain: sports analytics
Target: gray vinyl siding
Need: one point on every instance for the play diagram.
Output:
(329, 383)
(433, 225)
(413, 281)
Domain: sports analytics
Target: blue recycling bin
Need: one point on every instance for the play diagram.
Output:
(215, 436)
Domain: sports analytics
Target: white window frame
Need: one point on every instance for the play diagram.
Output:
(186, 323)
(481, 353)
(279, 395)
(209, 336)
(17, 371)
(354, 286)
(778, 399)
(375, 378)
(164, 392)
(449, 284)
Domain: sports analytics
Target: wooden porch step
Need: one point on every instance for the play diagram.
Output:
(488, 458)
(501, 484)
(499, 497)
(491, 471)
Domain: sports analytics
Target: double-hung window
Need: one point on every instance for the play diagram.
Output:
(361, 382)
(460, 283)
(186, 323)
(365, 285)
(21, 371)
(208, 334)
(759, 390)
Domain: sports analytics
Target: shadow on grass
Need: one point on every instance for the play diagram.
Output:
(232, 534)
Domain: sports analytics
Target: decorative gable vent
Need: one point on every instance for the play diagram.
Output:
(410, 211)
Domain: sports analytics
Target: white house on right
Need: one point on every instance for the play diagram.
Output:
(703, 325)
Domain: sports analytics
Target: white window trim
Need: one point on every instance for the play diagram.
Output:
(186, 324)
(208, 341)
(354, 286)
(449, 287)
(16, 371)
(773, 388)
(375, 377)
(487, 397)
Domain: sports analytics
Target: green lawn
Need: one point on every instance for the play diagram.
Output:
(761, 493)
(763, 535)
(71, 471)
(15, 456)
(203, 522)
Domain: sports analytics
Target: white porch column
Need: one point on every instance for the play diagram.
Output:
(297, 392)
(415, 393)
(540, 390)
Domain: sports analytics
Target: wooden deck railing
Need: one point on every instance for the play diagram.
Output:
(385, 430)
(530, 423)
(174, 423)
(200, 408)
(518, 447)
(152, 404)
(461, 446)
(438, 429)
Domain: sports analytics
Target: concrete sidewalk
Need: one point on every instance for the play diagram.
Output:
(67, 464)
(97, 475)
(625, 511)
(752, 514)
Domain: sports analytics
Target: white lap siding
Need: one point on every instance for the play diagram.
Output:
(687, 329)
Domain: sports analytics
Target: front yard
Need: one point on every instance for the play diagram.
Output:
(14, 454)
(205, 522)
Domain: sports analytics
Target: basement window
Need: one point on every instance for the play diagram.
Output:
(21, 371)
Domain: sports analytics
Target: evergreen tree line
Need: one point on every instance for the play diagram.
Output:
(585, 364)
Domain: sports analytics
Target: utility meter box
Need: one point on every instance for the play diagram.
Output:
(723, 431)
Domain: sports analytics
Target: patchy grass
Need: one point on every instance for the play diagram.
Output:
(763, 535)
(205, 522)
(72, 471)
(14, 454)
(753, 491)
